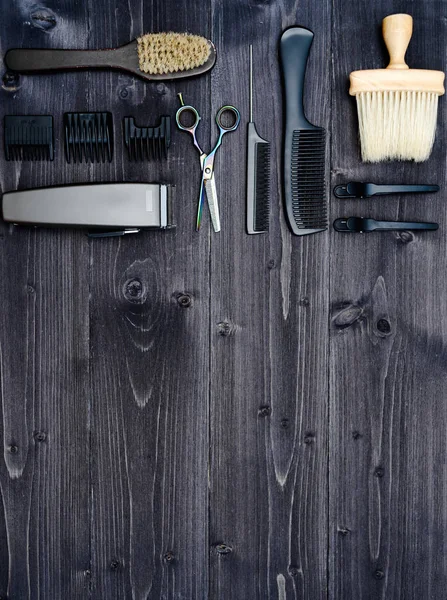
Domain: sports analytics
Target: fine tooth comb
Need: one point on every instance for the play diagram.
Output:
(29, 137)
(153, 56)
(304, 143)
(89, 137)
(146, 143)
(258, 173)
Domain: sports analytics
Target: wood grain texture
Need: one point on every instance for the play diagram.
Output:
(268, 508)
(387, 450)
(223, 416)
(44, 349)
(150, 347)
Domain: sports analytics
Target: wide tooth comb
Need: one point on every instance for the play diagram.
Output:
(304, 143)
(29, 138)
(89, 137)
(147, 143)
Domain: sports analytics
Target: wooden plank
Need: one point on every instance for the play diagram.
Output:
(388, 416)
(150, 346)
(44, 474)
(269, 299)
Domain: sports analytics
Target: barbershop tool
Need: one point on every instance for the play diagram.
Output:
(89, 137)
(258, 173)
(154, 56)
(207, 185)
(110, 208)
(146, 143)
(366, 190)
(397, 106)
(363, 225)
(304, 143)
(29, 137)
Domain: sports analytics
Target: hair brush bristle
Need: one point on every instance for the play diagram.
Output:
(164, 53)
(397, 125)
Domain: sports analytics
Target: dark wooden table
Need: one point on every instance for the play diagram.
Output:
(223, 416)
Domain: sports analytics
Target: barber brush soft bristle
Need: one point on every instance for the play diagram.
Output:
(171, 52)
(397, 106)
(154, 57)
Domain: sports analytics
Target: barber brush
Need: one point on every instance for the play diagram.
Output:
(397, 106)
(154, 56)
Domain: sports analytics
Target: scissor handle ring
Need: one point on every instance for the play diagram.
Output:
(189, 109)
(237, 116)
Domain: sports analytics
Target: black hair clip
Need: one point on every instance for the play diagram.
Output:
(366, 190)
(362, 225)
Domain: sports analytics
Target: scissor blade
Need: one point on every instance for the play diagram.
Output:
(200, 205)
(211, 194)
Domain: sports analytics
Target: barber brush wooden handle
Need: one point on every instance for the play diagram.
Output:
(397, 31)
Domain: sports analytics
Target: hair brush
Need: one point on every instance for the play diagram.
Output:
(154, 56)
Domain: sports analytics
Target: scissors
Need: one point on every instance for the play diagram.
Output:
(208, 184)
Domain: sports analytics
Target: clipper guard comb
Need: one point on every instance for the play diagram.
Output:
(89, 137)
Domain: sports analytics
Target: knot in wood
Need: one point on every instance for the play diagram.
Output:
(161, 89)
(40, 436)
(294, 571)
(134, 290)
(169, 556)
(271, 264)
(264, 411)
(379, 574)
(344, 531)
(13, 449)
(405, 237)
(223, 549)
(309, 438)
(284, 423)
(43, 18)
(115, 564)
(383, 326)
(10, 81)
(305, 301)
(356, 435)
(225, 328)
(123, 93)
(184, 300)
(348, 316)
(379, 472)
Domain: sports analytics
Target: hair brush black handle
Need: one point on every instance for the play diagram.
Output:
(27, 60)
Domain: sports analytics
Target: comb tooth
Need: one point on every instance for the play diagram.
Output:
(147, 143)
(100, 139)
(307, 179)
(147, 148)
(160, 135)
(137, 146)
(168, 135)
(104, 139)
(153, 143)
(262, 187)
(94, 141)
(77, 143)
(89, 137)
(91, 141)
